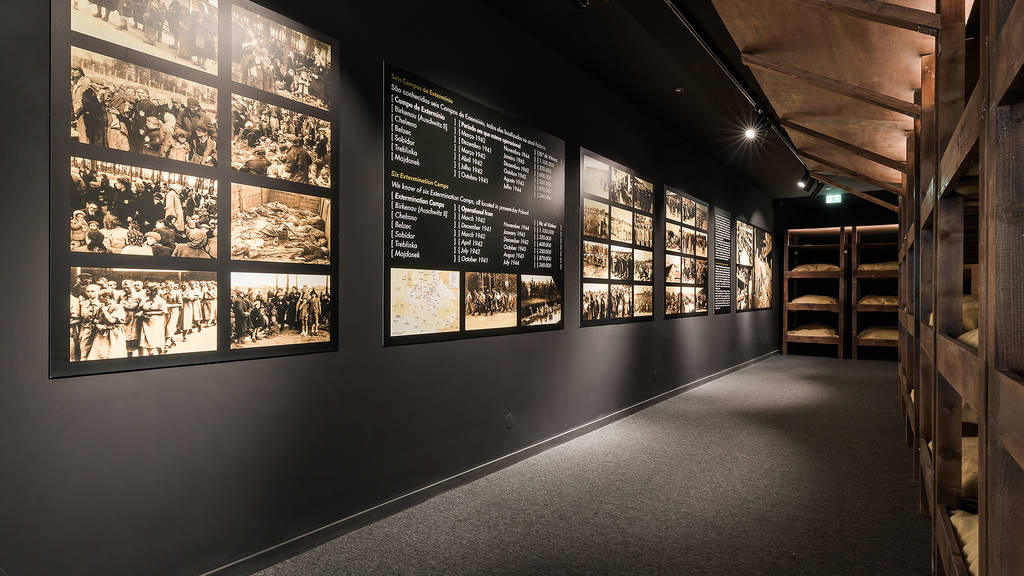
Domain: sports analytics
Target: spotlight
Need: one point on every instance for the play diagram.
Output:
(801, 184)
(805, 180)
(750, 133)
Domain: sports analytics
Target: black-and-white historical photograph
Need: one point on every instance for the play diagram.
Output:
(763, 270)
(280, 309)
(595, 260)
(643, 266)
(702, 217)
(595, 219)
(643, 230)
(119, 105)
(540, 301)
(689, 297)
(701, 244)
(743, 288)
(621, 187)
(700, 275)
(267, 140)
(127, 313)
(673, 206)
(272, 57)
(274, 226)
(622, 263)
(673, 269)
(491, 300)
(620, 301)
(673, 237)
(643, 195)
(596, 177)
(689, 211)
(687, 241)
(182, 31)
(622, 225)
(643, 300)
(687, 271)
(595, 302)
(673, 300)
(702, 300)
(120, 209)
(744, 244)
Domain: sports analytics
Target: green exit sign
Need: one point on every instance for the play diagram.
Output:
(833, 198)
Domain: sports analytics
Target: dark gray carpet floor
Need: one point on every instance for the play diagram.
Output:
(795, 465)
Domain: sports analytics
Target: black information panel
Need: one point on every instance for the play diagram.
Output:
(473, 218)
(686, 255)
(723, 270)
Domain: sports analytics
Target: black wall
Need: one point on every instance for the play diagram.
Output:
(183, 470)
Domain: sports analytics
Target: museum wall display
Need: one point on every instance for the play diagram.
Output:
(723, 289)
(686, 255)
(191, 196)
(194, 463)
(475, 207)
(754, 253)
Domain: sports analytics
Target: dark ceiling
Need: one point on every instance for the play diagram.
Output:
(642, 50)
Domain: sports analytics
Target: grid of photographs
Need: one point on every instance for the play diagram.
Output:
(754, 253)
(686, 255)
(171, 255)
(617, 259)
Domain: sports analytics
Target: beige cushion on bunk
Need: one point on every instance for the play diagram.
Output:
(815, 299)
(880, 333)
(970, 314)
(814, 329)
(816, 268)
(969, 467)
(880, 266)
(965, 525)
(970, 338)
(881, 300)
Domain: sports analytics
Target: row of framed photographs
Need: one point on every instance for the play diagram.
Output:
(686, 255)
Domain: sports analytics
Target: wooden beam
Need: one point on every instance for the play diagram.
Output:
(1008, 59)
(863, 178)
(855, 192)
(899, 16)
(837, 86)
(868, 154)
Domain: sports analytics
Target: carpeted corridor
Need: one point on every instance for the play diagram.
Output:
(795, 465)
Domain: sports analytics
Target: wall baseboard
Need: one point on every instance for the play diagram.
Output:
(274, 554)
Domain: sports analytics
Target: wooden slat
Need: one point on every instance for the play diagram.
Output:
(949, 549)
(927, 337)
(887, 186)
(1007, 418)
(927, 472)
(928, 202)
(909, 324)
(877, 342)
(813, 339)
(962, 367)
(856, 192)
(816, 307)
(837, 86)
(801, 274)
(885, 13)
(876, 307)
(963, 143)
(863, 153)
(1007, 81)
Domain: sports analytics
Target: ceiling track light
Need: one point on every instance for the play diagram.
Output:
(805, 180)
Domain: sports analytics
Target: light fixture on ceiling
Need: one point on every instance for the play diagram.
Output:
(750, 133)
(805, 180)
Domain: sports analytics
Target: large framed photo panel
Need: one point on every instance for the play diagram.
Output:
(617, 255)
(194, 193)
(686, 255)
(754, 254)
(474, 209)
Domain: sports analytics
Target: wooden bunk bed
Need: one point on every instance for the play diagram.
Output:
(815, 286)
(874, 254)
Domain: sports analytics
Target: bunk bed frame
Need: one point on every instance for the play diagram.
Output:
(875, 240)
(820, 240)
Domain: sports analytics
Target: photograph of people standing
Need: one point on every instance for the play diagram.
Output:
(267, 140)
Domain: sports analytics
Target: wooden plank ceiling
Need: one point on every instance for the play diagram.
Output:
(842, 76)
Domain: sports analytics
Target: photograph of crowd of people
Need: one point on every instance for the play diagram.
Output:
(689, 298)
(689, 211)
(622, 263)
(643, 230)
(687, 271)
(280, 309)
(622, 225)
(123, 106)
(643, 266)
(643, 300)
(673, 206)
(643, 195)
(763, 270)
(272, 57)
(687, 241)
(744, 244)
(270, 141)
(673, 300)
(702, 300)
(595, 260)
(700, 245)
(125, 313)
(621, 187)
(182, 31)
(540, 301)
(700, 276)
(743, 288)
(621, 301)
(595, 219)
(120, 209)
(595, 302)
(673, 269)
(673, 237)
(702, 216)
(274, 226)
(596, 177)
(491, 300)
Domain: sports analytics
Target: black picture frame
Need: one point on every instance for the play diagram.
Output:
(686, 251)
